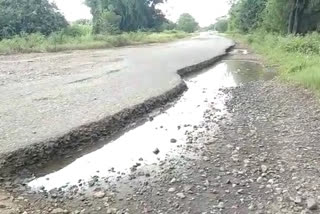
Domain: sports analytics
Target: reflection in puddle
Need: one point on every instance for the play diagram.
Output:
(138, 145)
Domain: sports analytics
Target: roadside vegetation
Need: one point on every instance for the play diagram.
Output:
(62, 41)
(187, 23)
(221, 25)
(285, 32)
(38, 26)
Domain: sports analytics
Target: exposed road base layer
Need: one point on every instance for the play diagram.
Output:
(87, 135)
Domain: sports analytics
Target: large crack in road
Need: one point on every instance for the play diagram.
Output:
(235, 142)
(44, 117)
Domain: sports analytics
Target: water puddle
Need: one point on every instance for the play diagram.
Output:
(155, 140)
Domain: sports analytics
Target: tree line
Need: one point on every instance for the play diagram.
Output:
(29, 16)
(277, 16)
(125, 15)
(18, 17)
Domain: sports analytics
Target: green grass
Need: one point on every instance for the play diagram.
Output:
(71, 40)
(297, 57)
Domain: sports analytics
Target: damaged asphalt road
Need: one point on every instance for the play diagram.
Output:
(52, 103)
(257, 153)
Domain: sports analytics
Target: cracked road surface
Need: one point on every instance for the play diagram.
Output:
(48, 95)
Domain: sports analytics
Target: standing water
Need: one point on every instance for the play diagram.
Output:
(155, 140)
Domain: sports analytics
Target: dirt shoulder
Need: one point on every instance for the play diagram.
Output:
(263, 158)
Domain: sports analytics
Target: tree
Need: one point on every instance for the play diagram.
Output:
(169, 25)
(292, 16)
(280, 16)
(297, 10)
(29, 16)
(133, 14)
(246, 15)
(302, 10)
(108, 22)
(275, 17)
(221, 25)
(187, 23)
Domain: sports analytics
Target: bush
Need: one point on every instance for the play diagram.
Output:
(309, 44)
(60, 41)
(297, 58)
(23, 43)
(167, 26)
(107, 22)
(77, 30)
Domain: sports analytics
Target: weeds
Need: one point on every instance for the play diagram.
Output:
(298, 57)
(79, 38)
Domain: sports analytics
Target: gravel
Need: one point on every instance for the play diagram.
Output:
(260, 156)
(99, 194)
(312, 204)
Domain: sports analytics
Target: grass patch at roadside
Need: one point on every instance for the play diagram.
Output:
(62, 41)
(297, 57)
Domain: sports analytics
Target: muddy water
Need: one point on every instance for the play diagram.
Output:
(165, 133)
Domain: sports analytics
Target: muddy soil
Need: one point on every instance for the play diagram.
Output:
(260, 156)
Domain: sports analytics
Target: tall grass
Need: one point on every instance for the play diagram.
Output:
(297, 57)
(79, 38)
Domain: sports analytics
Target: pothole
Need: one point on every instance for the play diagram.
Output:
(154, 141)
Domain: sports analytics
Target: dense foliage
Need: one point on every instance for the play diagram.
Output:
(80, 37)
(125, 15)
(187, 23)
(38, 26)
(281, 16)
(297, 58)
(29, 16)
(221, 25)
(246, 14)
(286, 32)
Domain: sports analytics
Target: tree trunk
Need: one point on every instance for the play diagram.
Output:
(295, 16)
(291, 19)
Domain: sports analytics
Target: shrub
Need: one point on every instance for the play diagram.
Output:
(309, 44)
(296, 57)
(77, 30)
(24, 43)
(107, 22)
(60, 41)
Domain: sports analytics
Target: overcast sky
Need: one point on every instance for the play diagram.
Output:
(205, 11)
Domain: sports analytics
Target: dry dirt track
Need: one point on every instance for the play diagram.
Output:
(44, 96)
